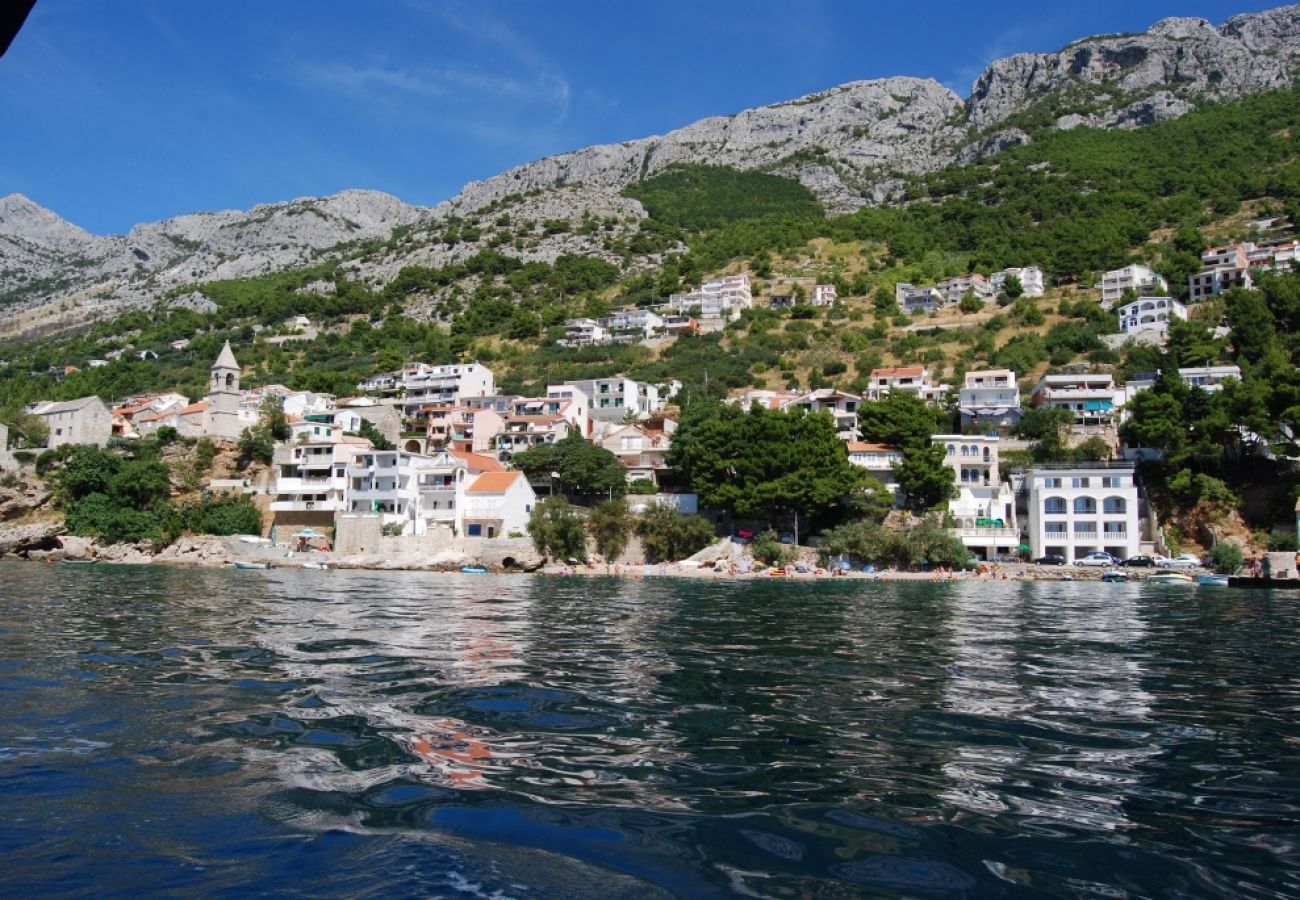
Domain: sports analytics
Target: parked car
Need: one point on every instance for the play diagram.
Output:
(1185, 561)
(1096, 558)
(1140, 562)
(1051, 559)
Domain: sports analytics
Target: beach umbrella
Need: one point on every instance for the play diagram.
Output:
(1025, 547)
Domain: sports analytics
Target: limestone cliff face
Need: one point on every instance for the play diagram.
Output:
(849, 144)
(1136, 80)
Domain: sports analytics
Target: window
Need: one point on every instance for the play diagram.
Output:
(1114, 506)
(1052, 483)
(1079, 482)
(1115, 528)
(1085, 527)
(1054, 506)
(1085, 506)
(1054, 528)
(1112, 481)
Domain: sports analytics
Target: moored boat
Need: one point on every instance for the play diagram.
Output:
(249, 564)
(473, 570)
(320, 566)
(1116, 577)
(1212, 580)
(1170, 578)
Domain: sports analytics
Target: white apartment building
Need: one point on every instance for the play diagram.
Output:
(642, 450)
(912, 298)
(613, 398)
(1076, 509)
(955, 289)
(1142, 280)
(525, 432)
(842, 406)
(1031, 279)
(724, 297)
(985, 506)
(632, 324)
(878, 459)
(907, 379)
(989, 397)
(1093, 398)
(426, 385)
(311, 481)
(442, 481)
(1208, 378)
(1150, 315)
(823, 295)
(385, 482)
(582, 332)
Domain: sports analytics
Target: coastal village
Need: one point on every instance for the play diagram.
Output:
(434, 480)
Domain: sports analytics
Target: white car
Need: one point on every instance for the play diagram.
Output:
(1185, 561)
(1096, 558)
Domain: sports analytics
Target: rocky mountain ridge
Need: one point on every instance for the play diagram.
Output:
(850, 145)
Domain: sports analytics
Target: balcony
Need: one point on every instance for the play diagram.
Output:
(989, 532)
(329, 506)
(315, 485)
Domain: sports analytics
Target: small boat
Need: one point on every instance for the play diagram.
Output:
(248, 564)
(1170, 578)
(473, 570)
(1212, 580)
(1120, 577)
(320, 566)
(80, 561)
(776, 573)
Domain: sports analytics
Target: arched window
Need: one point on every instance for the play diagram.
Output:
(230, 379)
(1114, 506)
(952, 450)
(986, 454)
(1085, 505)
(1054, 506)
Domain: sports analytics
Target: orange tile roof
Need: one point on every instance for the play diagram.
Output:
(897, 370)
(477, 462)
(493, 482)
(867, 447)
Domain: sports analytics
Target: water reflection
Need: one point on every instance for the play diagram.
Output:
(697, 737)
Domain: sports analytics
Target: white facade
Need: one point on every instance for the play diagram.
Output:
(1031, 279)
(313, 476)
(985, 506)
(842, 407)
(1150, 314)
(823, 295)
(911, 298)
(612, 398)
(906, 379)
(581, 332)
(385, 482)
(426, 385)
(497, 504)
(955, 289)
(634, 324)
(716, 298)
(1140, 279)
(1093, 398)
(1075, 510)
(989, 397)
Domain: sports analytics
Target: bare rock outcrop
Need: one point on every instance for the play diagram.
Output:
(21, 540)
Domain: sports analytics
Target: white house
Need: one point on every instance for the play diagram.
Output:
(954, 290)
(1140, 279)
(311, 480)
(442, 480)
(642, 450)
(912, 298)
(85, 420)
(843, 408)
(385, 482)
(716, 298)
(989, 397)
(525, 432)
(1222, 268)
(613, 398)
(1031, 280)
(985, 506)
(906, 379)
(1150, 314)
(823, 295)
(1093, 398)
(632, 324)
(426, 385)
(497, 504)
(582, 332)
(1076, 509)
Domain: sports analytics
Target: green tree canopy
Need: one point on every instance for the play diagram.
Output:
(584, 469)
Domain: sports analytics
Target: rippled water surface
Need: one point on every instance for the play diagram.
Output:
(331, 733)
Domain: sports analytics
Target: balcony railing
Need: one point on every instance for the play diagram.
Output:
(1010, 534)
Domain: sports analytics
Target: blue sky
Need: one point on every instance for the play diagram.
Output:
(114, 112)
